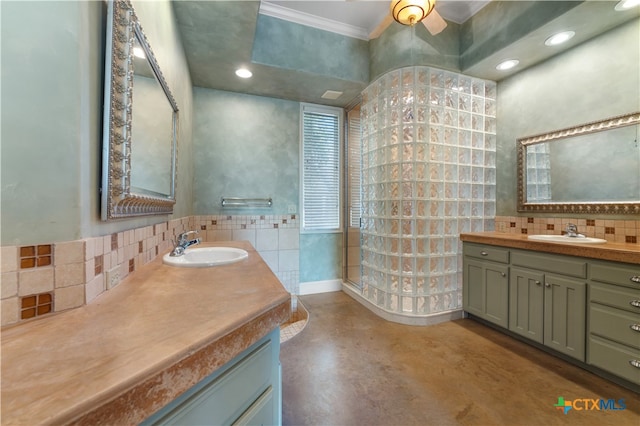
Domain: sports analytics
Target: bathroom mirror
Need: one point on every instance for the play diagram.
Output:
(140, 123)
(592, 168)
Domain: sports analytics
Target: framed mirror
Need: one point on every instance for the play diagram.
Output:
(593, 168)
(139, 150)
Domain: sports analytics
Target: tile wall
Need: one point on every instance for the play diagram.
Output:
(618, 231)
(275, 237)
(41, 279)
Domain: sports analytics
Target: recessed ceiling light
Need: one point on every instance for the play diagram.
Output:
(627, 4)
(559, 38)
(243, 73)
(137, 51)
(507, 65)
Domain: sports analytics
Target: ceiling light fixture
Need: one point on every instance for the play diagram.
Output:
(626, 5)
(507, 65)
(410, 12)
(243, 73)
(137, 51)
(559, 38)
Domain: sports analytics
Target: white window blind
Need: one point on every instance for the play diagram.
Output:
(354, 167)
(321, 168)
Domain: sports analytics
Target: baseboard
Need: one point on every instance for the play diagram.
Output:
(401, 318)
(314, 287)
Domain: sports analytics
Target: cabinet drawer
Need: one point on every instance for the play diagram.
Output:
(550, 263)
(616, 296)
(615, 324)
(223, 400)
(616, 359)
(495, 254)
(616, 273)
(260, 412)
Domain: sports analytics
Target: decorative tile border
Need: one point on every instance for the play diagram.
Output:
(619, 231)
(41, 279)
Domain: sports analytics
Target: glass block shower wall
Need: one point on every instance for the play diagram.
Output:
(538, 173)
(428, 174)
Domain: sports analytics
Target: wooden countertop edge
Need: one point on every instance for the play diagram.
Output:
(147, 397)
(617, 252)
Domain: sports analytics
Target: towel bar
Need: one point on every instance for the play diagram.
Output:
(246, 202)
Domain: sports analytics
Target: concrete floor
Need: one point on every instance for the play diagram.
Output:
(350, 367)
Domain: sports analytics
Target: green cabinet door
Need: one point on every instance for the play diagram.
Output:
(564, 315)
(497, 294)
(486, 290)
(526, 303)
(473, 285)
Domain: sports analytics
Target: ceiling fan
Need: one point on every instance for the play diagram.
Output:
(410, 12)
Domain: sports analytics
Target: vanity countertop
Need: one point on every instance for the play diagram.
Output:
(140, 345)
(618, 252)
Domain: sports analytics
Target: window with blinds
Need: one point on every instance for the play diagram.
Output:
(320, 151)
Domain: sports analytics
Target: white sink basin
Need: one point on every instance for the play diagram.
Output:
(202, 257)
(564, 239)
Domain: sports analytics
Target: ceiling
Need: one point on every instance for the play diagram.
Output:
(221, 36)
(360, 16)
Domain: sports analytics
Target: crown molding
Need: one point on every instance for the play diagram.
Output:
(277, 11)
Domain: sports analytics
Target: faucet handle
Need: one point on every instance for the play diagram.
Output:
(182, 238)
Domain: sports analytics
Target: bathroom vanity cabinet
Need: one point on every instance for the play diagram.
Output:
(580, 307)
(246, 391)
(547, 297)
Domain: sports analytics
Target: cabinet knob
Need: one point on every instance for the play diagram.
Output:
(635, 279)
(635, 327)
(538, 283)
(484, 253)
(635, 303)
(503, 274)
(635, 363)
(547, 285)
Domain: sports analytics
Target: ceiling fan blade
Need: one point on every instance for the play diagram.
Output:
(381, 27)
(434, 22)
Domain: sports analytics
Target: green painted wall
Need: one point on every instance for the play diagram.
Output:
(320, 257)
(42, 94)
(52, 98)
(400, 46)
(247, 147)
(593, 81)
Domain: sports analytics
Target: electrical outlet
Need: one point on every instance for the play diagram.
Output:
(113, 277)
(291, 208)
(502, 227)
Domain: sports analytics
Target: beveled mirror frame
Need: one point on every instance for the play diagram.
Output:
(117, 199)
(595, 207)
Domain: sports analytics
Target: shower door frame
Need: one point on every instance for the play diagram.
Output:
(348, 229)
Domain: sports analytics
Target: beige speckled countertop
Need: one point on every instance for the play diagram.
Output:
(139, 345)
(618, 252)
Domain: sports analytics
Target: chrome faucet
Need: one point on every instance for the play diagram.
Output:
(572, 231)
(184, 242)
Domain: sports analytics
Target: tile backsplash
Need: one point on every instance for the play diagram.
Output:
(618, 231)
(41, 279)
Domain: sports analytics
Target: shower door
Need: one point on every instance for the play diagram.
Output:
(352, 198)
